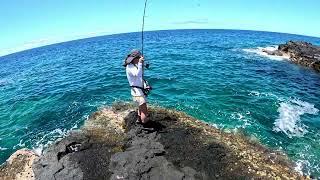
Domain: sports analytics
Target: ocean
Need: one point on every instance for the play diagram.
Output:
(218, 76)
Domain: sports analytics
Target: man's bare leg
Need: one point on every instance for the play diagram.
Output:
(143, 112)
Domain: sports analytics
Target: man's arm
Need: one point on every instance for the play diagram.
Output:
(137, 72)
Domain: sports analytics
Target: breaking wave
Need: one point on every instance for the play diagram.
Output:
(259, 51)
(289, 121)
(50, 138)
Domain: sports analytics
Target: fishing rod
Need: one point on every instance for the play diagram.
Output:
(142, 31)
(144, 82)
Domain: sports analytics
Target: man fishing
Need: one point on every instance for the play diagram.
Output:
(134, 64)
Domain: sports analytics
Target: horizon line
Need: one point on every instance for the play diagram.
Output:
(85, 36)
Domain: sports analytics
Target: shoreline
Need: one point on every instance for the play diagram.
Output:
(187, 146)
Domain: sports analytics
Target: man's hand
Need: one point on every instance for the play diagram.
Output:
(141, 60)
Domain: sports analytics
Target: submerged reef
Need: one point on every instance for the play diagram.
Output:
(110, 145)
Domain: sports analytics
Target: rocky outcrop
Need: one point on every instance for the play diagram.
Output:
(86, 153)
(19, 166)
(144, 155)
(302, 53)
(112, 146)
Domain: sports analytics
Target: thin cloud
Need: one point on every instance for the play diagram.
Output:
(196, 21)
(49, 41)
(28, 45)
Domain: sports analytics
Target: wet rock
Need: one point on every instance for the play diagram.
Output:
(302, 53)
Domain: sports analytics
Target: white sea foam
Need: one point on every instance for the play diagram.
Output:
(49, 138)
(38, 150)
(304, 167)
(254, 93)
(20, 145)
(302, 164)
(289, 121)
(263, 94)
(245, 121)
(259, 51)
(3, 149)
(307, 163)
(299, 166)
(53, 136)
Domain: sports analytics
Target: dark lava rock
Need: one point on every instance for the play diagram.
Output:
(173, 151)
(174, 146)
(302, 53)
(143, 157)
(75, 157)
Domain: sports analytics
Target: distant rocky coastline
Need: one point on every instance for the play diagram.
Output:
(112, 146)
(303, 53)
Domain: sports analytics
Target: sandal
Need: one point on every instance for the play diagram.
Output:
(148, 126)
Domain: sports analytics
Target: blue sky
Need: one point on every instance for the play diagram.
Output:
(30, 23)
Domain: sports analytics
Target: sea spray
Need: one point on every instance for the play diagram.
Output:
(50, 138)
(289, 121)
(260, 51)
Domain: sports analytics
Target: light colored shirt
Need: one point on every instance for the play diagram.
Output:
(134, 75)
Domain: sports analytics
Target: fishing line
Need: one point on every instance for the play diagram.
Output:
(142, 32)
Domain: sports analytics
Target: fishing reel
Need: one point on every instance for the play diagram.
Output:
(146, 87)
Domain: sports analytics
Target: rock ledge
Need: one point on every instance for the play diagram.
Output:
(112, 146)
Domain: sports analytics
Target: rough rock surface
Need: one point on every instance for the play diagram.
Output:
(302, 53)
(83, 154)
(143, 157)
(19, 166)
(112, 146)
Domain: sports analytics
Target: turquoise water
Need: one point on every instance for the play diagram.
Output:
(218, 76)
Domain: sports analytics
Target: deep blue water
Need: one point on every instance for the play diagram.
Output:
(214, 75)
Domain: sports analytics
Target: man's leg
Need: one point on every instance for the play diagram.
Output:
(143, 112)
(139, 114)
